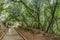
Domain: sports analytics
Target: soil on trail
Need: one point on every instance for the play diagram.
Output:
(12, 35)
(35, 36)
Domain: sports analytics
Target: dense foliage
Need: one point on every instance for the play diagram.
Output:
(42, 14)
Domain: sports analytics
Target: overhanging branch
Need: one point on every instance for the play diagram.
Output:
(25, 5)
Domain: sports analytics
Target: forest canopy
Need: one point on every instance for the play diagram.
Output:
(42, 14)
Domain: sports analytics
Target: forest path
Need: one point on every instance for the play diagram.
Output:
(12, 35)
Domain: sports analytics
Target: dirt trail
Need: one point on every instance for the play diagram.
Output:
(12, 35)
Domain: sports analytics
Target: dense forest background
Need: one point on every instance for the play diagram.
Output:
(36, 14)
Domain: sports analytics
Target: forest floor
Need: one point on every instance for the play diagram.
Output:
(3, 30)
(36, 35)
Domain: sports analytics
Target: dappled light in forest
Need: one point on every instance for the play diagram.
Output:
(38, 18)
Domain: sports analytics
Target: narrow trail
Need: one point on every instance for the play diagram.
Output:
(12, 35)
